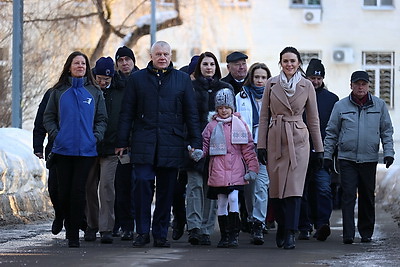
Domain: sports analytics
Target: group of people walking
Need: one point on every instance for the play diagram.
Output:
(241, 143)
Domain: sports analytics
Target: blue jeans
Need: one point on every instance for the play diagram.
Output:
(261, 194)
(316, 204)
(201, 211)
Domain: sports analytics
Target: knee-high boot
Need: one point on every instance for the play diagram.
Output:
(234, 228)
(223, 228)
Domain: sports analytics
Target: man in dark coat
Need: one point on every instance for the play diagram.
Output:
(237, 68)
(159, 100)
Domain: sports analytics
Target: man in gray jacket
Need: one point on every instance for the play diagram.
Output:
(357, 125)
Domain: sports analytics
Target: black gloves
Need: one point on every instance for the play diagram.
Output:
(388, 161)
(262, 156)
(320, 160)
(328, 165)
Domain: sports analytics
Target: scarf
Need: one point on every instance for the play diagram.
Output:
(217, 140)
(254, 92)
(289, 86)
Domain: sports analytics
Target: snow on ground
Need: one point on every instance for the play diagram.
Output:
(23, 179)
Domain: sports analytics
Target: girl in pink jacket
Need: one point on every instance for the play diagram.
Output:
(233, 162)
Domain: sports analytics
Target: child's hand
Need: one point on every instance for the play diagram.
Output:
(195, 154)
(250, 176)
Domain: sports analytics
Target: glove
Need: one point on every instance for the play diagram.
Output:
(388, 161)
(195, 154)
(320, 160)
(328, 165)
(262, 156)
(250, 176)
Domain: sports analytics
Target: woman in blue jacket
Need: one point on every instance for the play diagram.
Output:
(75, 119)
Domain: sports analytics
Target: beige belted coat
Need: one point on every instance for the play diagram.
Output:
(288, 136)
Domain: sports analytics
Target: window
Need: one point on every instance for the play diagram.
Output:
(378, 3)
(380, 67)
(306, 3)
(235, 3)
(306, 56)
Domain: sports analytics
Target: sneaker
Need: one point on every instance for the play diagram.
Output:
(304, 235)
(258, 235)
(90, 234)
(205, 240)
(106, 237)
(141, 240)
(126, 235)
(323, 232)
(194, 236)
(161, 243)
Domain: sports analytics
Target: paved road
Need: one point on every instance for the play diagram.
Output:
(33, 245)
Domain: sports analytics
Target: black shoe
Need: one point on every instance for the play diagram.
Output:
(161, 243)
(90, 234)
(304, 235)
(323, 232)
(141, 240)
(205, 240)
(270, 225)
(290, 240)
(366, 240)
(280, 237)
(126, 235)
(194, 236)
(106, 237)
(178, 228)
(258, 234)
(57, 226)
(117, 233)
(348, 240)
(73, 243)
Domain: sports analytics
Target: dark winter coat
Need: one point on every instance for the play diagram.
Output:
(76, 118)
(237, 86)
(159, 103)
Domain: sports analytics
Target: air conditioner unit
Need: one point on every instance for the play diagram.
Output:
(343, 55)
(312, 16)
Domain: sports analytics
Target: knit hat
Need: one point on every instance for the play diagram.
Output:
(124, 52)
(192, 64)
(225, 97)
(104, 66)
(315, 68)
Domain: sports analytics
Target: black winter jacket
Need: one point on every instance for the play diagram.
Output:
(159, 103)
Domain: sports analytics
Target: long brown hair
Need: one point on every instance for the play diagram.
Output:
(65, 74)
(197, 71)
(252, 69)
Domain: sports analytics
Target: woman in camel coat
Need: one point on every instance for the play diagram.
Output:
(283, 133)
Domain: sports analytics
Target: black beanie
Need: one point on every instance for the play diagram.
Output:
(315, 68)
(124, 52)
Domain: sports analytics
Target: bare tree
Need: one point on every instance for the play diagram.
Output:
(52, 27)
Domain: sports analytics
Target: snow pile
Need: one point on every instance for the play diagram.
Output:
(388, 188)
(23, 179)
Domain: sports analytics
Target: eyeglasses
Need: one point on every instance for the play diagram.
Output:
(101, 79)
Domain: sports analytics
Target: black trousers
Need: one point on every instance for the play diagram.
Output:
(52, 187)
(72, 173)
(358, 178)
(124, 187)
(287, 212)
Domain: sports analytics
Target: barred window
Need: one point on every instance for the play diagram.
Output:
(242, 3)
(306, 56)
(306, 3)
(378, 3)
(380, 68)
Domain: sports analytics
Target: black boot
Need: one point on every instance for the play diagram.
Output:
(258, 235)
(290, 240)
(280, 236)
(234, 228)
(223, 228)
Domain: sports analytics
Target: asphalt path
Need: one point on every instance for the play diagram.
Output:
(34, 245)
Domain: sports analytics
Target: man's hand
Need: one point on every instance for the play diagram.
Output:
(39, 155)
(120, 150)
(328, 165)
(320, 160)
(388, 161)
(262, 156)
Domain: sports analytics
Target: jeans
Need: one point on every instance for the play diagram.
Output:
(316, 203)
(200, 210)
(261, 194)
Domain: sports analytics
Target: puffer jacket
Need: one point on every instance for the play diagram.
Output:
(76, 118)
(229, 169)
(358, 130)
(159, 103)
